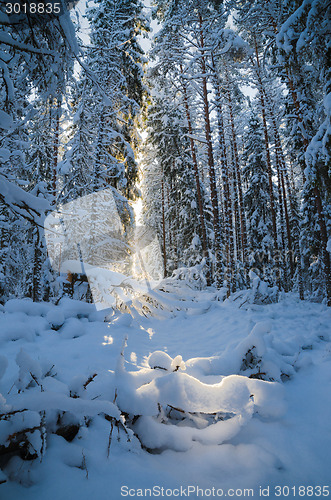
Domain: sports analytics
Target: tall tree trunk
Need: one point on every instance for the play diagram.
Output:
(284, 174)
(298, 115)
(36, 278)
(325, 254)
(318, 198)
(211, 166)
(234, 197)
(168, 206)
(197, 178)
(324, 237)
(234, 223)
(281, 202)
(293, 187)
(163, 229)
(57, 106)
(98, 154)
(227, 210)
(266, 141)
(288, 228)
(174, 189)
(243, 230)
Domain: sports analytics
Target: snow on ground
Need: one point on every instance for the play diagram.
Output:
(204, 421)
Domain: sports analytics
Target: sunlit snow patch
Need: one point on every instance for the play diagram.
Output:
(87, 237)
(170, 409)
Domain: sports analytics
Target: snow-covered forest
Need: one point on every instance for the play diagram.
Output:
(165, 245)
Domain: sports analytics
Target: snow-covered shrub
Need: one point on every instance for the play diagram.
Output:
(170, 409)
(171, 297)
(192, 277)
(260, 359)
(44, 405)
(259, 293)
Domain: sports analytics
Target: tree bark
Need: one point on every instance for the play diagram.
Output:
(318, 198)
(243, 230)
(266, 141)
(57, 106)
(197, 177)
(163, 229)
(284, 173)
(36, 279)
(210, 157)
(281, 203)
(227, 210)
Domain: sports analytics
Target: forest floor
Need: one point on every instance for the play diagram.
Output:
(69, 350)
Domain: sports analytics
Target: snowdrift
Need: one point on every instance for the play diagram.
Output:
(65, 372)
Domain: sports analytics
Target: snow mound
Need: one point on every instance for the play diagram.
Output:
(172, 409)
(180, 390)
(77, 401)
(155, 435)
(176, 409)
(161, 360)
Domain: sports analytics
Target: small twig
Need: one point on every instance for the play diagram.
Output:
(177, 409)
(22, 433)
(49, 371)
(34, 378)
(11, 388)
(4, 415)
(110, 437)
(89, 380)
(43, 435)
(257, 374)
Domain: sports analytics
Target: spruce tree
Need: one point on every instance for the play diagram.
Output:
(257, 200)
